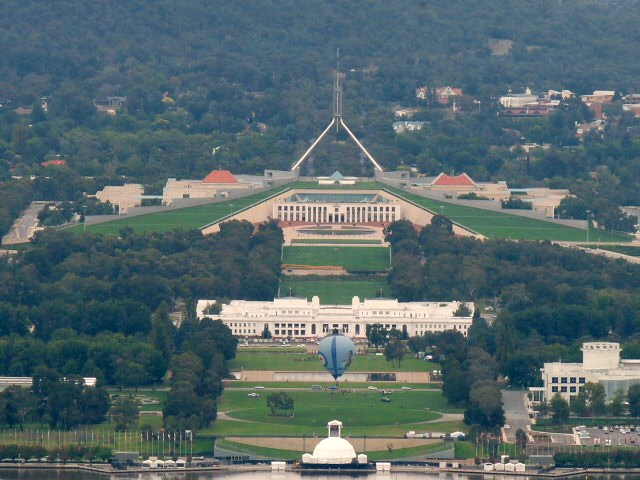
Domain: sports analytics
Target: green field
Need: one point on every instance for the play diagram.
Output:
(372, 455)
(251, 359)
(358, 259)
(503, 225)
(334, 290)
(185, 218)
(358, 410)
(631, 251)
(346, 241)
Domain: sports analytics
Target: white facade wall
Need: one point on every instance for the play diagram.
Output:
(317, 212)
(298, 318)
(601, 363)
(124, 197)
(178, 189)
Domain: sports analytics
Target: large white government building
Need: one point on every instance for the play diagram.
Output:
(298, 318)
(354, 208)
(601, 363)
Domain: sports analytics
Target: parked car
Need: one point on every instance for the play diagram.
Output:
(253, 395)
(371, 387)
(385, 399)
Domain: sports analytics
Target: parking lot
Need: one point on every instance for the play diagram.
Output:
(608, 435)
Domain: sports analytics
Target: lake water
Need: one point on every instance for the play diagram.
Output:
(16, 474)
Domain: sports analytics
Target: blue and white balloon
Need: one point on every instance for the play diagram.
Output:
(337, 353)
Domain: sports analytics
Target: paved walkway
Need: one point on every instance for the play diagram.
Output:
(515, 413)
(25, 226)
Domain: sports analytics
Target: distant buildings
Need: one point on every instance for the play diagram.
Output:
(544, 200)
(407, 126)
(297, 318)
(218, 183)
(528, 104)
(122, 197)
(444, 95)
(601, 363)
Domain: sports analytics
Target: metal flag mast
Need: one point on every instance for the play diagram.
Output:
(337, 121)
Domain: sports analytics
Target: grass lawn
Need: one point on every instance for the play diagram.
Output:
(360, 411)
(372, 456)
(185, 218)
(307, 362)
(358, 259)
(334, 290)
(346, 241)
(237, 384)
(503, 225)
(631, 251)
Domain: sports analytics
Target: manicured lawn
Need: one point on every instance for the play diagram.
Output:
(358, 259)
(307, 362)
(184, 218)
(346, 241)
(237, 384)
(631, 251)
(313, 409)
(335, 290)
(372, 456)
(503, 225)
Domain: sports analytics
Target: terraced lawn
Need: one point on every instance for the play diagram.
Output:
(358, 259)
(334, 290)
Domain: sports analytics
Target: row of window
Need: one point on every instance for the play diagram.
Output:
(568, 380)
(572, 389)
(299, 208)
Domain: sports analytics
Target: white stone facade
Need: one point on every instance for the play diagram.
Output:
(337, 207)
(298, 318)
(601, 363)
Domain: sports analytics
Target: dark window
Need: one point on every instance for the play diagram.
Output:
(563, 389)
(563, 379)
(554, 389)
(554, 379)
(572, 389)
(582, 380)
(572, 379)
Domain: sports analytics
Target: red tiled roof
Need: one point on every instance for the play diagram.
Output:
(220, 176)
(459, 180)
(58, 163)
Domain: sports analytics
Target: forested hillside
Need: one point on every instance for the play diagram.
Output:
(247, 86)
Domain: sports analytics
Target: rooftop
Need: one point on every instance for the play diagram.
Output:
(220, 176)
(336, 198)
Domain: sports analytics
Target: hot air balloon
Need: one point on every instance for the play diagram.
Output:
(337, 353)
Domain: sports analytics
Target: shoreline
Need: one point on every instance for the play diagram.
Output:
(107, 469)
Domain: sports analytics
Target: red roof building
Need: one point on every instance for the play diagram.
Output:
(57, 163)
(220, 176)
(444, 180)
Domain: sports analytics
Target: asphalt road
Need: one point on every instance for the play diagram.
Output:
(515, 413)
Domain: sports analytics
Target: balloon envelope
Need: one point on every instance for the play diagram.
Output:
(337, 352)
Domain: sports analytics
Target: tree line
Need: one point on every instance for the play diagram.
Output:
(548, 301)
(97, 306)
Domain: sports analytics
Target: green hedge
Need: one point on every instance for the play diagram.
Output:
(607, 457)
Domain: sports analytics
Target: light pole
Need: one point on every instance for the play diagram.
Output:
(84, 218)
(588, 222)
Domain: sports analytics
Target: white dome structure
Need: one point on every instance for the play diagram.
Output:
(334, 450)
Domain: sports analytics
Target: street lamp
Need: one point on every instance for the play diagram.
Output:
(84, 218)
(588, 222)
